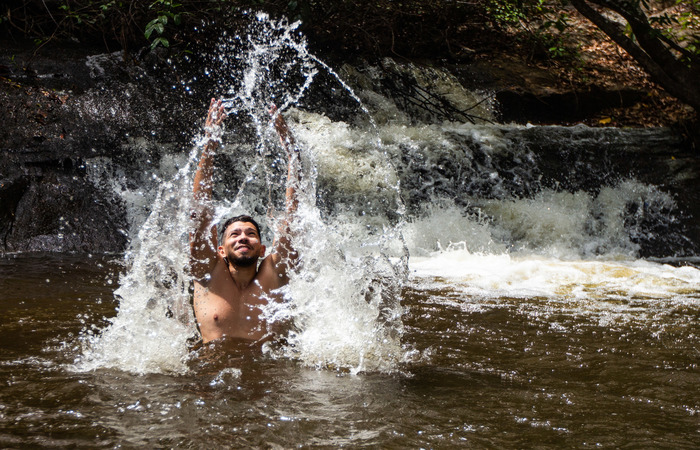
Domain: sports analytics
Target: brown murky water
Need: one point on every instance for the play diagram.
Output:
(496, 372)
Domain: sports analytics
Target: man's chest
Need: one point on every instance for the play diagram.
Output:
(220, 315)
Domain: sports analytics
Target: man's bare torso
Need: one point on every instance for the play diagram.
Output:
(224, 309)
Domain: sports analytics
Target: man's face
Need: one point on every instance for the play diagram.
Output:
(241, 244)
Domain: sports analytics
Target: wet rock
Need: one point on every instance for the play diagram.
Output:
(523, 106)
(528, 94)
(66, 113)
(59, 212)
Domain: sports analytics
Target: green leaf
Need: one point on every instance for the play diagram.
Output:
(149, 29)
(159, 41)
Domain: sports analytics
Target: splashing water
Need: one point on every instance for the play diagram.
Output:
(276, 68)
(154, 320)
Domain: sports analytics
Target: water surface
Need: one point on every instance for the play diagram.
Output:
(609, 366)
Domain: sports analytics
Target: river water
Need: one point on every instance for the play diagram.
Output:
(452, 292)
(508, 353)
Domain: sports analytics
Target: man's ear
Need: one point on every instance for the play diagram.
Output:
(262, 251)
(221, 251)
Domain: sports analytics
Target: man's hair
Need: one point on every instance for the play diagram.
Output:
(241, 218)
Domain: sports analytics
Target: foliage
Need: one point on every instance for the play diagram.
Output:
(506, 12)
(544, 23)
(439, 29)
(166, 10)
(406, 27)
(680, 26)
(126, 23)
(665, 47)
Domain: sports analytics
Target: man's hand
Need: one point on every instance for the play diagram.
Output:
(215, 117)
(282, 130)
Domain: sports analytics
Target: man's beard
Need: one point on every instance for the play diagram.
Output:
(244, 261)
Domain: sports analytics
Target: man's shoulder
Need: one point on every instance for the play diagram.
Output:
(268, 273)
(201, 286)
(271, 259)
(217, 274)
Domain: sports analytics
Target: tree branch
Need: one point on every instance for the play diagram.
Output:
(651, 53)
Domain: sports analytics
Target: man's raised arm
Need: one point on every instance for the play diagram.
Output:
(203, 239)
(283, 245)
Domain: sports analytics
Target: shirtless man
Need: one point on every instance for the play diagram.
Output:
(229, 286)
